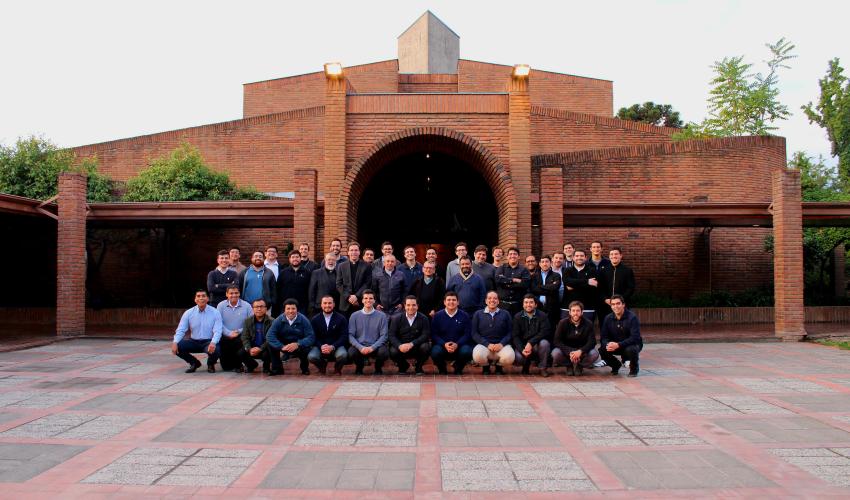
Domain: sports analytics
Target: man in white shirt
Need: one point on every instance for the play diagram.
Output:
(271, 261)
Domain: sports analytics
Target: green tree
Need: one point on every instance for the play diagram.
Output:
(184, 176)
(654, 114)
(833, 114)
(741, 102)
(32, 166)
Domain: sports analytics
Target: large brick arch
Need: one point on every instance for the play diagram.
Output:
(429, 139)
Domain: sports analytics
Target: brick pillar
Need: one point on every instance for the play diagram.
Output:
(333, 175)
(519, 124)
(305, 208)
(789, 315)
(839, 263)
(551, 209)
(71, 252)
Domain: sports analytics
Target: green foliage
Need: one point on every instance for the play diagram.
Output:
(654, 114)
(841, 344)
(741, 102)
(833, 114)
(32, 166)
(184, 176)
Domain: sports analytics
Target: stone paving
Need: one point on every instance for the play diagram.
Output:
(99, 418)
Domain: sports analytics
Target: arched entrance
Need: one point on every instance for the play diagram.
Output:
(428, 187)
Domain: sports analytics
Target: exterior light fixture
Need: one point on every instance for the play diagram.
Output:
(521, 71)
(333, 70)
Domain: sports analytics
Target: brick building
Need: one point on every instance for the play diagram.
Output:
(430, 149)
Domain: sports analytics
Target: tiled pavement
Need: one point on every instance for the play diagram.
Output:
(96, 418)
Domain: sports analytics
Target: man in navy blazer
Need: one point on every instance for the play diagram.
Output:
(331, 329)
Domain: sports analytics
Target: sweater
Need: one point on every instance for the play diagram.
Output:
(367, 330)
(334, 333)
(491, 329)
(569, 337)
(410, 274)
(282, 333)
(487, 272)
(529, 330)
(430, 295)
(470, 291)
(402, 332)
(457, 328)
(217, 283)
(624, 331)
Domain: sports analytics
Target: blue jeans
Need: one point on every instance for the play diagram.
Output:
(338, 356)
(461, 356)
(187, 346)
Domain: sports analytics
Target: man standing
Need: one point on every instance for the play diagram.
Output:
(235, 263)
(220, 278)
(369, 257)
(291, 336)
(203, 324)
(619, 279)
(323, 282)
(411, 269)
(389, 287)
(498, 257)
(545, 286)
(491, 331)
(620, 335)
(559, 268)
(431, 256)
(569, 250)
(575, 342)
(531, 264)
(386, 250)
(410, 337)
(234, 311)
(597, 260)
(367, 334)
(583, 284)
(294, 281)
(336, 249)
(483, 268)
(271, 261)
(469, 287)
(352, 279)
(331, 329)
(512, 281)
(451, 335)
(531, 334)
(306, 263)
(429, 290)
(254, 343)
(258, 282)
(454, 266)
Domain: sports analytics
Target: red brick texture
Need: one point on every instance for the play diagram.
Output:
(520, 159)
(71, 256)
(551, 209)
(333, 165)
(305, 207)
(787, 248)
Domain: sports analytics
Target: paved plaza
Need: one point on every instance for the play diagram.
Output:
(99, 418)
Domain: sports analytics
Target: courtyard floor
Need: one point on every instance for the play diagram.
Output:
(96, 418)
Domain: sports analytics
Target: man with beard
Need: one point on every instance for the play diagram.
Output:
(584, 286)
(257, 281)
(294, 282)
(512, 281)
(530, 337)
(331, 330)
(575, 341)
(323, 282)
(469, 287)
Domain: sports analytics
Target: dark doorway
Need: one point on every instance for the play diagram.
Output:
(428, 199)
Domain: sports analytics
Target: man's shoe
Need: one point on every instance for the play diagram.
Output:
(615, 371)
(578, 369)
(239, 369)
(524, 371)
(338, 368)
(443, 371)
(358, 370)
(632, 374)
(544, 372)
(485, 370)
(275, 373)
(570, 371)
(305, 371)
(323, 368)
(193, 368)
(500, 370)
(210, 369)
(418, 370)
(378, 371)
(250, 370)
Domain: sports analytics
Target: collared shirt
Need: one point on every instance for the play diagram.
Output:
(274, 266)
(201, 325)
(451, 315)
(427, 280)
(543, 276)
(233, 317)
(410, 320)
(561, 289)
(327, 319)
(290, 321)
(492, 313)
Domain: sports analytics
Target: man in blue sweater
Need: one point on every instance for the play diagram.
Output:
(620, 335)
(451, 335)
(367, 334)
(491, 330)
(331, 330)
(291, 335)
(469, 287)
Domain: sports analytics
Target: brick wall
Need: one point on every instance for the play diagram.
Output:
(427, 83)
(71, 255)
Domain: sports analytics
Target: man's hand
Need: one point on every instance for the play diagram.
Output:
(495, 347)
(592, 282)
(527, 351)
(432, 313)
(174, 348)
(517, 280)
(450, 346)
(405, 347)
(575, 356)
(398, 307)
(233, 334)
(366, 351)
(290, 347)
(608, 301)
(327, 349)
(352, 299)
(612, 346)
(211, 348)
(379, 307)
(255, 351)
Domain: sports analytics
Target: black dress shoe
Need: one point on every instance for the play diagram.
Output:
(443, 371)
(193, 368)
(239, 369)
(615, 371)
(210, 369)
(485, 370)
(419, 371)
(570, 371)
(305, 372)
(500, 370)
(378, 371)
(578, 369)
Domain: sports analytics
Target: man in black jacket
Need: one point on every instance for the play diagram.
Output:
(512, 281)
(306, 263)
(583, 285)
(254, 343)
(331, 330)
(352, 278)
(530, 333)
(429, 290)
(618, 279)
(220, 278)
(575, 341)
(545, 285)
(409, 337)
(323, 282)
(294, 282)
(620, 335)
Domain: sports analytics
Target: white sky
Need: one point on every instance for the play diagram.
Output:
(84, 72)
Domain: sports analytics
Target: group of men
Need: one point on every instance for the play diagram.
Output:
(357, 308)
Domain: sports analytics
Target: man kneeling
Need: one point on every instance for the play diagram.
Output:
(331, 330)
(450, 331)
(530, 336)
(204, 326)
(575, 341)
(491, 330)
(621, 335)
(410, 335)
(290, 336)
(367, 334)
(254, 332)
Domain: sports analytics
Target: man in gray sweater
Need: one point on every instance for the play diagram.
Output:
(367, 333)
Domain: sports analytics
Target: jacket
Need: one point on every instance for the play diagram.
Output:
(352, 279)
(410, 274)
(248, 332)
(624, 331)
(577, 280)
(294, 284)
(569, 337)
(430, 296)
(509, 290)
(282, 333)
(389, 289)
(470, 291)
(334, 333)
(402, 332)
(549, 289)
(322, 282)
(617, 280)
(529, 330)
(269, 285)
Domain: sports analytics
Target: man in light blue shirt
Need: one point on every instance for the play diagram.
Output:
(203, 324)
(234, 311)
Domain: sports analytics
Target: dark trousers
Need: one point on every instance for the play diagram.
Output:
(278, 357)
(187, 346)
(461, 356)
(629, 353)
(380, 355)
(419, 353)
(250, 361)
(230, 352)
(338, 355)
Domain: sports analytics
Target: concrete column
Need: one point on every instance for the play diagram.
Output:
(551, 209)
(519, 124)
(71, 253)
(333, 175)
(839, 263)
(305, 208)
(789, 315)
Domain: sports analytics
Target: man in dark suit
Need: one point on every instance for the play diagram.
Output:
(410, 337)
(545, 285)
(352, 277)
(323, 282)
(331, 330)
